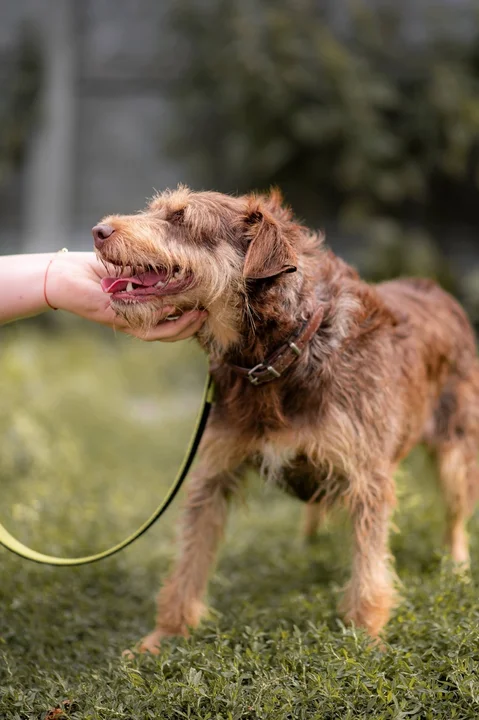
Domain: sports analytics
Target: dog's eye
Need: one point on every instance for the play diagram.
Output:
(178, 216)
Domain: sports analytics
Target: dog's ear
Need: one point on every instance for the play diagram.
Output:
(270, 252)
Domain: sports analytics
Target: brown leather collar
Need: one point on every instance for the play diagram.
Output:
(281, 359)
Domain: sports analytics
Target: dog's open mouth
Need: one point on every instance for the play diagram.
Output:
(147, 285)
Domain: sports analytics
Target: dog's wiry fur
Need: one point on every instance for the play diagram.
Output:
(391, 365)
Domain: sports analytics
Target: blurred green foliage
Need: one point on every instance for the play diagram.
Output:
(363, 125)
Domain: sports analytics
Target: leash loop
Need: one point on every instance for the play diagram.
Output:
(15, 546)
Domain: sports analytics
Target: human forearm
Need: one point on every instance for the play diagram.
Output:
(21, 285)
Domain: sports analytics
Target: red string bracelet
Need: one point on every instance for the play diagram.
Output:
(63, 250)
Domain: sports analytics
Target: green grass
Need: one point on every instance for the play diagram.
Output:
(92, 429)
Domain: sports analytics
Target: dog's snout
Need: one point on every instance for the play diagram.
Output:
(101, 233)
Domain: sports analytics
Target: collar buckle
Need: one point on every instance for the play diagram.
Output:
(261, 373)
(252, 377)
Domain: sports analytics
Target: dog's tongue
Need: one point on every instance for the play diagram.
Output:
(147, 279)
(111, 285)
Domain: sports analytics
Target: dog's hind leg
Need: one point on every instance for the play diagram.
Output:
(311, 520)
(456, 442)
(311, 484)
(370, 594)
(459, 479)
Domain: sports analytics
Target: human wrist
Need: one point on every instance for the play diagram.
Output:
(53, 280)
(60, 279)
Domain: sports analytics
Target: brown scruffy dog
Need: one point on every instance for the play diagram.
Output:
(322, 380)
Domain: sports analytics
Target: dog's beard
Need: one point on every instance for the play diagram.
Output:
(139, 316)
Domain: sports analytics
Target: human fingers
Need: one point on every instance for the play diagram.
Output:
(170, 331)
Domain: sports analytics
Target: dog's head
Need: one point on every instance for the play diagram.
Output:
(194, 250)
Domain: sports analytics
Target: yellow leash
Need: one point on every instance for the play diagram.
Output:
(27, 553)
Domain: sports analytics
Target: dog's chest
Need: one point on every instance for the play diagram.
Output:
(299, 475)
(331, 447)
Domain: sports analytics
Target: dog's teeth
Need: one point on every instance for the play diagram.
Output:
(129, 287)
(160, 284)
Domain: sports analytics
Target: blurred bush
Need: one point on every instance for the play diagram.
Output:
(19, 108)
(363, 124)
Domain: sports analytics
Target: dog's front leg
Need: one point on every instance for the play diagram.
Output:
(370, 594)
(180, 602)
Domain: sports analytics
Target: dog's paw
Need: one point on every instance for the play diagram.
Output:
(461, 559)
(150, 644)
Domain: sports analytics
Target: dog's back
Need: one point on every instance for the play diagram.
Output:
(437, 322)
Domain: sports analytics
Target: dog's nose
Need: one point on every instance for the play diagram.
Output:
(101, 233)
